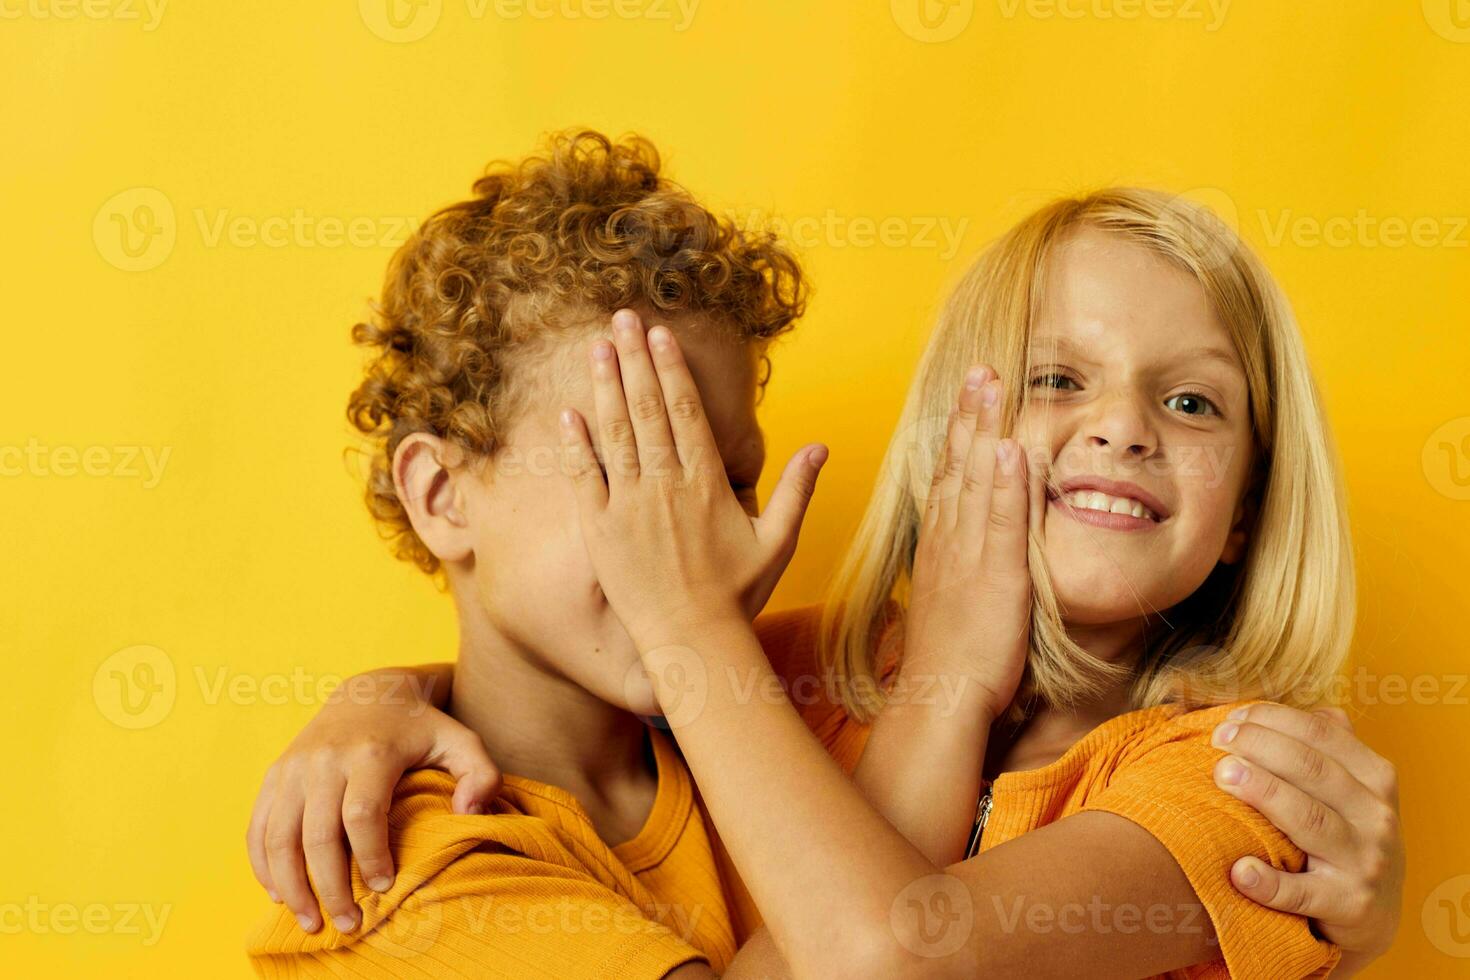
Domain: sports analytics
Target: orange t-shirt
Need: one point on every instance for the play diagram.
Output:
(1154, 767)
(530, 890)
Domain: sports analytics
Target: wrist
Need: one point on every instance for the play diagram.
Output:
(690, 626)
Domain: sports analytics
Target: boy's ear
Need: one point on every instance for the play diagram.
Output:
(432, 496)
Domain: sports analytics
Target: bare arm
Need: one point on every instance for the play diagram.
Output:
(966, 625)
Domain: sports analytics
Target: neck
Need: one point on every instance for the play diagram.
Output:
(1050, 731)
(538, 723)
(1115, 643)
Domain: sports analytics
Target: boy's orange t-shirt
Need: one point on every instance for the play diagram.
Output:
(529, 890)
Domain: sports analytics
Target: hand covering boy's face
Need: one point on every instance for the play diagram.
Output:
(531, 571)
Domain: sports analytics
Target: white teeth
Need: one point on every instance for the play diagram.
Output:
(1093, 500)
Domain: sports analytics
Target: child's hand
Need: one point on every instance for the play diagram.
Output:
(671, 545)
(336, 781)
(1338, 801)
(970, 606)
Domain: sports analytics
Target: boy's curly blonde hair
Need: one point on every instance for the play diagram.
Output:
(548, 243)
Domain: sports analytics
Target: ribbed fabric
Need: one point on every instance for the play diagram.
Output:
(531, 891)
(528, 890)
(1153, 767)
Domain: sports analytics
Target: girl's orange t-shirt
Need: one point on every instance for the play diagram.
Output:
(530, 890)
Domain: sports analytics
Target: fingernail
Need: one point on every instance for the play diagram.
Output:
(344, 923)
(602, 350)
(1005, 452)
(307, 922)
(1230, 773)
(990, 395)
(974, 379)
(474, 809)
(1246, 875)
(1224, 735)
(817, 455)
(274, 897)
(625, 320)
(381, 883)
(1238, 714)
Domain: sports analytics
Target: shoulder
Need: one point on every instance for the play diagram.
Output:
(793, 639)
(528, 883)
(1159, 774)
(1165, 757)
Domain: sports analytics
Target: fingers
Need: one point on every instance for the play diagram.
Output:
(1008, 524)
(326, 857)
(693, 440)
(978, 484)
(1311, 824)
(614, 428)
(283, 853)
(950, 471)
(255, 834)
(1328, 731)
(477, 777)
(1306, 894)
(579, 462)
(780, 524)
(365, 803)
(643, 395)
(1036, 476)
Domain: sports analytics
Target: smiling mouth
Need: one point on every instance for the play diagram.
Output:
(1099, 502)
(1108, 511)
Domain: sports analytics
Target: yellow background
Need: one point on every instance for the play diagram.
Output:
(1318, 127)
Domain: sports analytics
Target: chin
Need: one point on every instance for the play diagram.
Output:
(1102, 595)
(643, 702)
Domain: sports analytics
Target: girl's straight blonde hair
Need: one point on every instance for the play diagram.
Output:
(1276, 624)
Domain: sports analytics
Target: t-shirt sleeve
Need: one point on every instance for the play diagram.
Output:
(491, 914)
(791, 640)
(1166, 786)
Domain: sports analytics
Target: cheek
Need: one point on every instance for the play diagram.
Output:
(1034, 432)
(530, 554)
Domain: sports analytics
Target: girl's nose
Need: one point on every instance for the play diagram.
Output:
(1122, 424)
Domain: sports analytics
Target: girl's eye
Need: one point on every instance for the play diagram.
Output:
(1191, 404)
(1053, 380)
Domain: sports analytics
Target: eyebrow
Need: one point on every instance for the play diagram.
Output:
(1222, 355)
(1226, 357)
